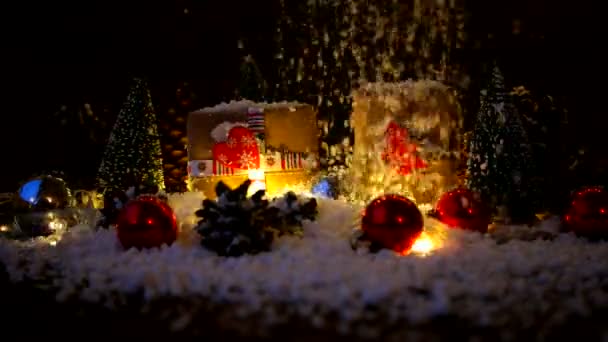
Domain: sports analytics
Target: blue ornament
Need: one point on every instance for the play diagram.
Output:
(45, 193)
(326, 187)
(30, 190)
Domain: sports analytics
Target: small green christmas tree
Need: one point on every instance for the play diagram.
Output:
(252, 85)
(500, 158)
(133, 153)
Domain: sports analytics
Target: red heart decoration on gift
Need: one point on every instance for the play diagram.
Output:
(239, 151)
(399, 152)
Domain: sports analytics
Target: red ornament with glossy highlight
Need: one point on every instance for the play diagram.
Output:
(588, 213)
(392, 221)
(462, 208)
(146, 222)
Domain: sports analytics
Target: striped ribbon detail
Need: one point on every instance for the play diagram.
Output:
(205, 168)
(255, 120)
(220, 170)
(291, 160)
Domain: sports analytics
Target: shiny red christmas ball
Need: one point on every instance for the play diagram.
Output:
(462, 208)
(393, 222)
(146, 222)
(587, 214)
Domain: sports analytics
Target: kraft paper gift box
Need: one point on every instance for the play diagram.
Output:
(429, 116)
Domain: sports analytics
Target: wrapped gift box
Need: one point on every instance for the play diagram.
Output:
(428, 121)
(286, 135)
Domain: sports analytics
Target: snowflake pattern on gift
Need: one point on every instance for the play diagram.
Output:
(222, 159)
(248, 141)
(246, 160)
(231, 142)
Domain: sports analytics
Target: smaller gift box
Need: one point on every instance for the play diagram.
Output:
(238, 138)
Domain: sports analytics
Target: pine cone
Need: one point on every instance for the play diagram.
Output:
(288, 213)
(234, 224)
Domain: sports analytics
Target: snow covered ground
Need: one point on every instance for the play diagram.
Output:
(469, 276)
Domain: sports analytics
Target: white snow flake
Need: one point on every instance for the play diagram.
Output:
(248, 141)
(246, 160)
(222, 158)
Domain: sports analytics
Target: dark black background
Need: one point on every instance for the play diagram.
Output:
(58, 52)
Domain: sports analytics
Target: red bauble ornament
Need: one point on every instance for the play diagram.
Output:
(462, 208)
(146, 222)
(239, 151)
(588, 213)
(392, 221)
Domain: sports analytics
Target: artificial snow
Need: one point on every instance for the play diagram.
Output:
(471, 276)
(244, 105)
(221, 131)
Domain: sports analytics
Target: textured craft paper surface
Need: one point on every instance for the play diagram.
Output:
(295, 130)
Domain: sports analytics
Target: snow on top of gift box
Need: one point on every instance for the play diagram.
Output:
(429, 110)
(279, 122)
(243, 106)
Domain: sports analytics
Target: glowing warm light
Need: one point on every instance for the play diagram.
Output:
(53, 243)
(277, 188)
(423, 245)
(256, 175)
(256, 186)
(424, 207)
(258, 181)
(57, 225)
(4, 228)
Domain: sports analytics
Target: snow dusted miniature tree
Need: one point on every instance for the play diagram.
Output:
(133, 154)
(500, 158)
